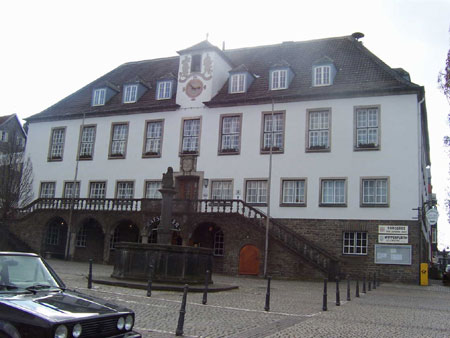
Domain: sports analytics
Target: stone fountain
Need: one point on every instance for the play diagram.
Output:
(166, 263)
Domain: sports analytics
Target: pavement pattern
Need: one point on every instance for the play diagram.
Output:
(391, 310)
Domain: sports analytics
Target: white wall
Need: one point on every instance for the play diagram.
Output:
(397, 158)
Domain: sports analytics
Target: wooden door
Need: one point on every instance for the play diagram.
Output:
(188, 187)
(249, 260)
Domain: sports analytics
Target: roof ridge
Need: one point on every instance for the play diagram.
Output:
(286, 43)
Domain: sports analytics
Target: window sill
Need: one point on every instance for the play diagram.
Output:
(189, 153)
(374, 205)
(116, 157)
(330, 205)
(290, 205)
(318, 150)
(275, 150)
(54, 159)
(355, 148)
(229, 152)
(85, 158)
(257, 204)
(354, 254)
(151, 155)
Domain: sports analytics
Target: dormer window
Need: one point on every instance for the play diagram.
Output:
(130, 93)
(164, 90)
(322, 76)
(196, 63)
(279, 79)
(237, 83)
(99, 97)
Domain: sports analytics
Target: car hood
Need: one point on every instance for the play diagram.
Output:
(61, 305)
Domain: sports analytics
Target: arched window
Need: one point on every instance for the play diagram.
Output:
(218, 243)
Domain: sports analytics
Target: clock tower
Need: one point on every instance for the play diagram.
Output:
(203, 70)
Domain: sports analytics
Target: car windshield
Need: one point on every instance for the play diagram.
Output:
(19, 273)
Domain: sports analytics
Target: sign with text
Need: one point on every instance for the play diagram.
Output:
(393, 239)
(393, 229)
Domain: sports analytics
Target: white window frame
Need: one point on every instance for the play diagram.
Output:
(279, 79)
(164, 90)
(125, 190)
(218, 245)
(99, 97)
(322, 76)
(52, 235)
(367, 128)
(119, 137)
(238, 83)
(268, 132)
(47, 190)
(97, 190)
(256, 191)
(230, 134)
(68, 189)
(190, 141)
(153, 138)
(3, 136)
(319, 130)
(336, 189)
(375, 191)
(222, 190)
(152, 189)
(87, 142)
(130, 93)
(57, 140)
(293, 192)
(355, 243)
(81, 239)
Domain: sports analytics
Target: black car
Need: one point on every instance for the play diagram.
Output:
(446, 274)
(35, 303)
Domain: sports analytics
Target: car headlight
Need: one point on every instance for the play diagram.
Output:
(129, 322)
(120, 323)
(76, 331)
(61, 332)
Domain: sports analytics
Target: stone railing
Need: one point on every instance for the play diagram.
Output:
(308, 250)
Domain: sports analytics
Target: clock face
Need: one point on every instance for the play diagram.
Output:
(194, 88)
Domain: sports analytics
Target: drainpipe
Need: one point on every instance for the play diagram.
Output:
(419, 173)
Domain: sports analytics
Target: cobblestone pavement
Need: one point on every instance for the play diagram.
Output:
(392, 310)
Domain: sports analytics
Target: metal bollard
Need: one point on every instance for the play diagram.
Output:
(357, 289)
(179, 331)
(348, 290)
(90, 275)
(374, 280)
(364, 285)
(338, 297)
(205, 290)
(370, 285)
(324, 305)
(267, 305)
(149, 284)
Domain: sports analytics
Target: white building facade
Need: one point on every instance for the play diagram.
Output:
(349, 151)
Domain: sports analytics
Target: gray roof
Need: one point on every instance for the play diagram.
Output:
(359, 73)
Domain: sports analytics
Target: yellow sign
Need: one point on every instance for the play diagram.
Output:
(424, 274)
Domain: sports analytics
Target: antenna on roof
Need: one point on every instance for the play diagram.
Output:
(207, 35)
(223, 45)
(357, 35)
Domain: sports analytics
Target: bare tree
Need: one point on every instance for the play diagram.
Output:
(444, 78)
(16, 176)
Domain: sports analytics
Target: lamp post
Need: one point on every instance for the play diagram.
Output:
(266, 250)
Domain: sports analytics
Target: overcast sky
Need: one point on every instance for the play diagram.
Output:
(52, 48)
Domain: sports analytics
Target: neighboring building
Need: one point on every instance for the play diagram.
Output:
(12, 145)
(349, 174)
(11, 134)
